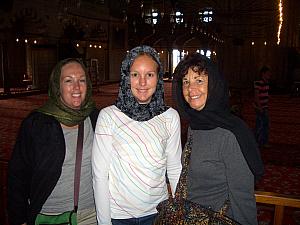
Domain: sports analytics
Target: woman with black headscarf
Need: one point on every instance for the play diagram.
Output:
(225, 160)
(41, 169)
(136, 140)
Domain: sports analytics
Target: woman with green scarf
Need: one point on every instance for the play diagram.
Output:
(41, 169)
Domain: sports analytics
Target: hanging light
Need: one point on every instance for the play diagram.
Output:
(163, 10)
(142, 9)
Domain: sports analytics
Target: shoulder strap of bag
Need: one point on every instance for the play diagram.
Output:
(181, 189)
(78, 164)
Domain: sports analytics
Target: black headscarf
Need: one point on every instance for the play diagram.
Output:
(216, 112)
(55, 107)
(126, 102)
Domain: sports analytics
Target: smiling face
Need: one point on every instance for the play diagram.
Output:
(73, 85)
(143, 78)
(195, 89)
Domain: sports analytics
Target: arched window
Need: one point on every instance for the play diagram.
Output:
(178, 17)
(206, 15)
(206, 53)
(154, 17)
(151, 17)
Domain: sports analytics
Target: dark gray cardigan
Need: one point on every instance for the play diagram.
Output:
(35, 165)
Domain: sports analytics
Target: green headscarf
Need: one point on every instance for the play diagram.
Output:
(55, 107)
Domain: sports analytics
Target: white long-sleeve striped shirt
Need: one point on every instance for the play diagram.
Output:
(129, 162)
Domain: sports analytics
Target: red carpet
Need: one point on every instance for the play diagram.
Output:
(282, 160)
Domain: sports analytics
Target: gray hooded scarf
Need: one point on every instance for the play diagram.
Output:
(126, 102)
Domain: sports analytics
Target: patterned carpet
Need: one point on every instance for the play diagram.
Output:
(282, 160)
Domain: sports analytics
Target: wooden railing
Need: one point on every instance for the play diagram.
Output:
(279, 201)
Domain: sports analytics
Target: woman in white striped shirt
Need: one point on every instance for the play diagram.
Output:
(136, 141)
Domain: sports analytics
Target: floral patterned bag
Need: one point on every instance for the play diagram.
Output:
(180, 211)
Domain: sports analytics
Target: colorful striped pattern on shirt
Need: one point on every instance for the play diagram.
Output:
(263, 92)
(136, 155)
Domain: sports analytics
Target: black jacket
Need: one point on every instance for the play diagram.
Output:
(35, 165)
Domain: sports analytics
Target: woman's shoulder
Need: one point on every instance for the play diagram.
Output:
(94, 116)
(110, 112)
(95, 111)
(36, 116)
(225, 132)
(171, 112)
(39, 122)
(170, 115)
(216, 133)
(109, 109)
